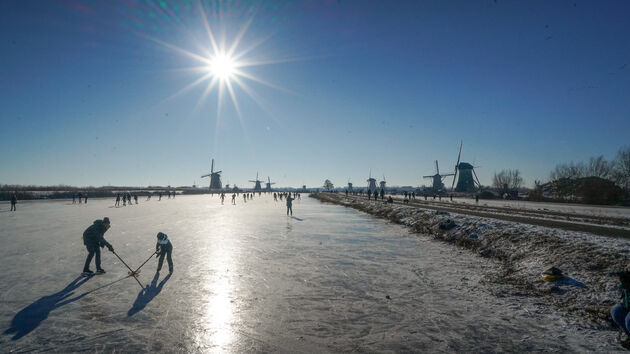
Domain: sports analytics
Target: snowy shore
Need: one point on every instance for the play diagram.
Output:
(588, 261)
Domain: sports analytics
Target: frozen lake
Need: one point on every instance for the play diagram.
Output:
(249, 279)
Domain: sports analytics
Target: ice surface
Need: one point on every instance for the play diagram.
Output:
(250, 279)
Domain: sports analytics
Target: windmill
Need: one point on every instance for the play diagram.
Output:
(257, 187)
(269, 183)
(349, 186)
(215, 178)
(371, 183)
(466, 171)
(382, 183)
(438, 185)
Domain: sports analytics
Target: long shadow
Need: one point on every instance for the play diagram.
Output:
(147, 294)
(25, 321)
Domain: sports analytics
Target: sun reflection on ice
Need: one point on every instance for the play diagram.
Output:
(218, 317)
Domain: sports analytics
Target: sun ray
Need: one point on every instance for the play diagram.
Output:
(250, 48)
(254, 96)
(233, 97)
(205, 94)
(189, 86)
(180, 50)
(213, 42)
(261, 81)
(239, 37)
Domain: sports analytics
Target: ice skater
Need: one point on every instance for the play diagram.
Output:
(222, 198)
(13, 202)
(164, 247)
(93, 239)
(621, 312)
(289, 205)
(233, 199)
(117, 201)
(85, 198)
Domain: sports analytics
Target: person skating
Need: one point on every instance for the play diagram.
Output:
(85, 198)
(222, 198)
(13, 202)
(93, 239)
(117, 200)
(164, 247)
(289, 205)
(124, 199)
(74, 198)
(233, 198)
(135, 198)
(621, 312)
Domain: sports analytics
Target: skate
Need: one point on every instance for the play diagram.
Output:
(89, 273)
(100, 271)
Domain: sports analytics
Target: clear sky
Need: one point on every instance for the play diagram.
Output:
(91, 91)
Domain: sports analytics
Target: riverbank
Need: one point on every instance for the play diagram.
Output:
(522, 252)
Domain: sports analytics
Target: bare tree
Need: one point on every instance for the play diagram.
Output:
(328, 185)
(621, 169)
(570, 170)
(507, 179)
(598, 167)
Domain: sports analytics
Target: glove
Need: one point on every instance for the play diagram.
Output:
(111, 249)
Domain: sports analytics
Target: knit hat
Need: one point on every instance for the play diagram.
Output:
(106, 220)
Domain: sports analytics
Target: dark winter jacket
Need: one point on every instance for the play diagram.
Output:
(93, 235)
(163, 245)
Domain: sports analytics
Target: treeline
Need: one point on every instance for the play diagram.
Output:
(596, 181)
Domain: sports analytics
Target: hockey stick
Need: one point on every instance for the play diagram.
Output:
(145, 262)
(131, 272)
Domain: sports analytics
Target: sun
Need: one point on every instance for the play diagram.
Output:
(222, 66)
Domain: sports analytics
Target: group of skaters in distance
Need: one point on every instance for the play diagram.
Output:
(94, 240)
(408, 195)
(288, 196)
(80, 196)
(129, 198)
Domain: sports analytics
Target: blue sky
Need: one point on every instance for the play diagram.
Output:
(88, 90)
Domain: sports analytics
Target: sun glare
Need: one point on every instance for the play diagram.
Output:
(222, 67)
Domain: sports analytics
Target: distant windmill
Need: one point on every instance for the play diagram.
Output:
(371, 183)
(269, 183)
(466, 183)
(438, 185)
(382, 183)
(349, 186)
(215, 178)
(257, 187)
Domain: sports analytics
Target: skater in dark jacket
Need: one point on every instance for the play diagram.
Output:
(93, 239)
(13, 202)
(164, 247)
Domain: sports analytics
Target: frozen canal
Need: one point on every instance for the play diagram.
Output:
(249, 279)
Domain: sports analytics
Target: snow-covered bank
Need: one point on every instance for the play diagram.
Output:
(523, 251)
